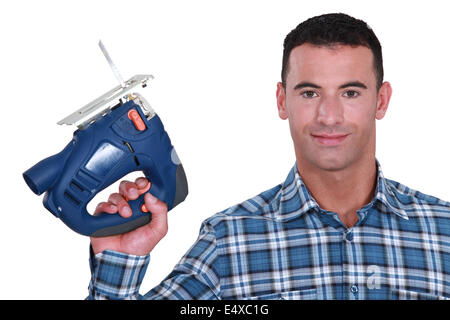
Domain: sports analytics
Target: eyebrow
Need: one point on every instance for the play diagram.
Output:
(345, 85)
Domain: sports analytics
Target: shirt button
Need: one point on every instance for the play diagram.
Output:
(348, 236)
(354, 288)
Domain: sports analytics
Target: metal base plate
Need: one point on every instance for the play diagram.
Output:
(102, 105)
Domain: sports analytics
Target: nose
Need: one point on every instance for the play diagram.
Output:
(330, 111)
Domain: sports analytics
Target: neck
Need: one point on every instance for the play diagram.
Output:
(342, 191)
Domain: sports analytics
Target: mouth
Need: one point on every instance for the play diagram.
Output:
(329, 139)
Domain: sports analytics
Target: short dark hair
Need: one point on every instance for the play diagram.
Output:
(332, 29)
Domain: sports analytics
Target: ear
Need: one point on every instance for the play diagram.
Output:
(281, 101)
(384, 95)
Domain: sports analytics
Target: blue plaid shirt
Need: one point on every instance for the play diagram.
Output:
(281, 245)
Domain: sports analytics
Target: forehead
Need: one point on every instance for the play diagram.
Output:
(338, 63)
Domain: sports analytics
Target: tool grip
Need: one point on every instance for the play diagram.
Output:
(114, 224)
(106, 224)
(140, 216)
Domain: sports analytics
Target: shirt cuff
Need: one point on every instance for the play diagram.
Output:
(116, 275)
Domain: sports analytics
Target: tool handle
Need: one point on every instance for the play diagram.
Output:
(140, 216)
(114, 224)
(106, 224)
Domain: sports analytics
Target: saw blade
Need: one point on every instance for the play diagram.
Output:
(111, 64)
(103, 104)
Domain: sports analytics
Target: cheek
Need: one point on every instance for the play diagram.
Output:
(369, 128)
(363, 128)
(300, 121)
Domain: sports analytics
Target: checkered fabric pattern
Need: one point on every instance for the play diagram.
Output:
(281, 245)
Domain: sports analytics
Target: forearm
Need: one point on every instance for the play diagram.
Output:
(118, 276)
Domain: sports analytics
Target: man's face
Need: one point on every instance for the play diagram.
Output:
(331, 102)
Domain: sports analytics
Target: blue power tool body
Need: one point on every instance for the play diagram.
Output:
(98, 156)
(124, 137)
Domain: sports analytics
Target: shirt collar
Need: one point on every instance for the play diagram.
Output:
(296, 200)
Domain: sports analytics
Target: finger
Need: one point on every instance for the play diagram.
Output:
(105, 207)
(145, 189)
(128, 190)
(143, 185)
(121, 203)
(158, 209)
(141, 182)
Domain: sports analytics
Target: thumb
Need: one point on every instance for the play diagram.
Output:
(158, 209)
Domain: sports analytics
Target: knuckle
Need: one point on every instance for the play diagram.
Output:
(162, 230)
(125, 186)
(129, 187)
(123, 183)
(99, 206)
(115, 197)
(162, 206)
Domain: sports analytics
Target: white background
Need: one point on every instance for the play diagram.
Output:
(216, 65)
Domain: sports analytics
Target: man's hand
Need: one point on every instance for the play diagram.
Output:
(143, 239)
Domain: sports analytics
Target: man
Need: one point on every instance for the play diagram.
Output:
(335, 229)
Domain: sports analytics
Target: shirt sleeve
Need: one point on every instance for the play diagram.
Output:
(196, 276)
(116, 275)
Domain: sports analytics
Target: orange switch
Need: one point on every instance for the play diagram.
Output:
(144, 208)
(134, 116)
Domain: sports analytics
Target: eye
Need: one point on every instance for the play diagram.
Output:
(308, 94)
(351, 94)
